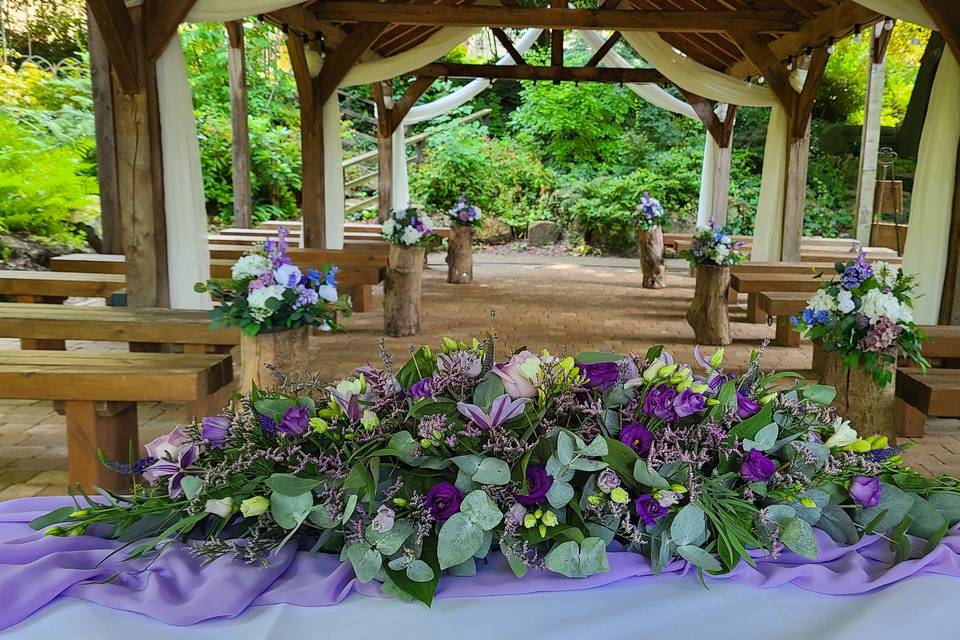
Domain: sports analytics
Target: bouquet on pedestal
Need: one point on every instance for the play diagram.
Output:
(650, 213)
(714, 245)
(464, 214)
(407, 228)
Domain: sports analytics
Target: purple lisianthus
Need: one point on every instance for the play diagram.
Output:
(538, 483)
(746, 406)
(866, 491)
(600, 375)
(659, 403)
(443, 500)
(214, 430)
(688, 403)
(421, 389)
(757, 467)
(637, 437)
(294, 422)
(174, 470)
(649, 509)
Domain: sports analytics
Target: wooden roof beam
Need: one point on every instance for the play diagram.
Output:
(604, 49)
(557, 17)
(766, 61)
(551, 74)
(339, 61)
(946, 16)
(162, 20)
(507, 43)
(409, 98)
(117, 30)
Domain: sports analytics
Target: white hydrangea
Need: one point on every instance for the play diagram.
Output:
(288, 275)
(249, 266)
(822, 301)
(845, 303)
(721, 251)
(877, 304)
(327, 292)
(389, 226)
(886, 273)
(257, 299)
(410, 236)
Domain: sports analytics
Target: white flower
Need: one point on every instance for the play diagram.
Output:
(843, 434)
(667, 498)
(349, 388)
(721, 251)
(222, 507)
(845, 303)
(327, 292)
(886, 273)
(822, 301)
(257, 299)
(389, 226)
(877, 304)
(288, 275)
(410, 236)
(249, 266)
(531, 369)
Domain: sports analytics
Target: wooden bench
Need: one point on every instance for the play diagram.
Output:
(811, 268)
(753, 284)
(296, 227)
(55, 287)
(782, 306)
(253, 238)
(99, 392)
(935, 394)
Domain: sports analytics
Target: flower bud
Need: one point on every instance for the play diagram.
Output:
(808, 503)
(550, 519)
(75, 531)
(449, 344)
(767, 399)
(529, 521)
(254, 506)
(426, 444)
(53, 531)
(716, 358)
(681, 374)
(222, 507)
(319, 425)
(79, 513)
(619, 495)
(667, 370)
(650, 373)
(401, 502)
(699, 388)
(860, 446)
(878, 442)
(369, 420)
(678, 488)
(595, 499)
(683, 384)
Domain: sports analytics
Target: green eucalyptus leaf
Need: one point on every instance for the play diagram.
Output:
(290, 511)
(366, 561)
(559, 494)
(459, 539)
(798, 536)
(191, 485)
(699, 558)
(465, 569)
(492, 471)
(481, 510)
(645, 475)
(688, 525)
(290, 485)
(419, 571)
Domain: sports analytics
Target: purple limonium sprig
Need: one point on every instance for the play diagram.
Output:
(504, 409)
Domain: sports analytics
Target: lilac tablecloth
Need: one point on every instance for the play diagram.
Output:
(36, 570)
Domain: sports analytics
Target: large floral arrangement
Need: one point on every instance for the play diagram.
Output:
(650, 213)
(866, 315)
(548, 460)
(267, 292)
(714, 245)
(464, 214)
(408, 227)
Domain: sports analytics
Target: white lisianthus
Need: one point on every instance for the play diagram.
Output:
(721, 251)
(249, 266)
(288, 275)
(222, 507)
(410, 236)
(349, 388)
(822, 301)
(886, 273)
(843, 434)
(845, 303)
(257, 299)
(877, 304)
(327, 292)
(389, 226)
(531, 369)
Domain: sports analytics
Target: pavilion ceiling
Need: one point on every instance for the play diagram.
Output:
(697, 28)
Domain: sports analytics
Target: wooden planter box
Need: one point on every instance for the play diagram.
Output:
(460, 255)
(650, 248)
(860, 400)
(401, 291)
(885, 235)
(708, 312)
(286, 351)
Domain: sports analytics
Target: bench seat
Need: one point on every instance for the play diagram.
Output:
(935, 394)
(49, 286)
(782, 306)
(753, 284)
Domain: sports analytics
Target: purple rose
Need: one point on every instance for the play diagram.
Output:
(214, 430)
(637, 437)
(757, 467)
(746, 406)
(608, 480)
(538, 483)
(649, 509)
(688, 403)
(866, 491)
(515, 383)
(294, 422)
(600, 375)
(659, 403)
(443, 500)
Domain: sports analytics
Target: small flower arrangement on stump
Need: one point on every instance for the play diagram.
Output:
(866, 317)
(407, 231)
(650, 213)
(712, 253)
(407, 228)
(268, 293)
(714, 245)
(650, 221)
(464, 214)
(464, 218)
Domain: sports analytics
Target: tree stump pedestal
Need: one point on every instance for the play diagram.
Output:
(286, 351)
(460, 255)
(652, 266)
(708, 314)
(401, 291)
(860, 400)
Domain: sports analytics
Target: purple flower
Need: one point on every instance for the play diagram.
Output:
(170, 446)
(649, 509)
(866, 491)
(637, 437)
(659, 403)
(881, 337)
(443, 500)
(421, 389)
(757, 467)
(538, 483)
(746, 406)
(600, 375)
(349, 403)
(295, 421)
(268, 425)
(174, 470)
(608, 480)
(688, 403)
(214, 430)
(514, 382)
(503, 410)
(856, 272)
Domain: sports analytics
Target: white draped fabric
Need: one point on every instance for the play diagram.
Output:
(908, 10)
(707, 182)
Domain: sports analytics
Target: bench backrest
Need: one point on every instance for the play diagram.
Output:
(60, 284)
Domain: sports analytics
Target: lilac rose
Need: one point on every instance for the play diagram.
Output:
(757, 467)
(515, 384)
(649, 509)
(866, 491)
(746, 406)
(170, 446)
(637, 437)
(443, 500)
(538, 483)
(688, 403)
(659, 403)
(214, 430)
(294, 422)
(600, 375)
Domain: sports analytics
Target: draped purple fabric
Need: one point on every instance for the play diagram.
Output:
(174, 589)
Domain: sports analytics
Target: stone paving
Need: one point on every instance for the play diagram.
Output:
(581, 304)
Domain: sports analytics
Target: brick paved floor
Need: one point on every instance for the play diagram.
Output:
(553, 302)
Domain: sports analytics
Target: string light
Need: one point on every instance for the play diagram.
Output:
(790, 63)
(831, 47)
(856, 34)
(888, 24)
(760, 80)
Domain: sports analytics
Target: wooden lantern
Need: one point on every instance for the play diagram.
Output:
(286, 351)
(401, 291)
(460, 255)
(708, 312)
(652, 266)
(860, 400)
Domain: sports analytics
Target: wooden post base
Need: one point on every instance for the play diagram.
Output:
(708, 314)
(786, 336)
(288, 351)
(818, 364)
(860, 400)
(401, 291)
(361, 297)
(911, 422)
(93, 426)
(460, 255)
(652, 266)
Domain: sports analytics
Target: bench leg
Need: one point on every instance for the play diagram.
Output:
(819, 359)
(194, 348)
(733, 297)
(910, 421)
(212, 405)
(786, 336)
(361, 297)
(754, 314)
(92, 426)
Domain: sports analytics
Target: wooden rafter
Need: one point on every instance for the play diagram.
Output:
(879, 43)
(705, 112)
(818, 66)
(409, 98)
(116, 27)
(553, 74)
(306, 86)
(507, 43)
(339, 61)
(557, 17)
(162, 20)
(604, 49)
(946, 15)
(766, 61)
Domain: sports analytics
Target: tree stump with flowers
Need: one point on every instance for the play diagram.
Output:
(868, 406)
(460, 255)
(652, 265)
(708, 314)
(285, 351)
(401, 291)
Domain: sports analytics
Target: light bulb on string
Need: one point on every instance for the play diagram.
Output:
(888, 24)
(831, 47)
(857, 36)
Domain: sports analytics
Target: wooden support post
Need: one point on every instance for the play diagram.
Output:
(950, 301)
(101, 82)
(910, 422)
(383, 95)
(240, 146)
(721, 169)
(870, 136)
(556, 42)
(361, 297)
(110, 427)
(786, 336)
